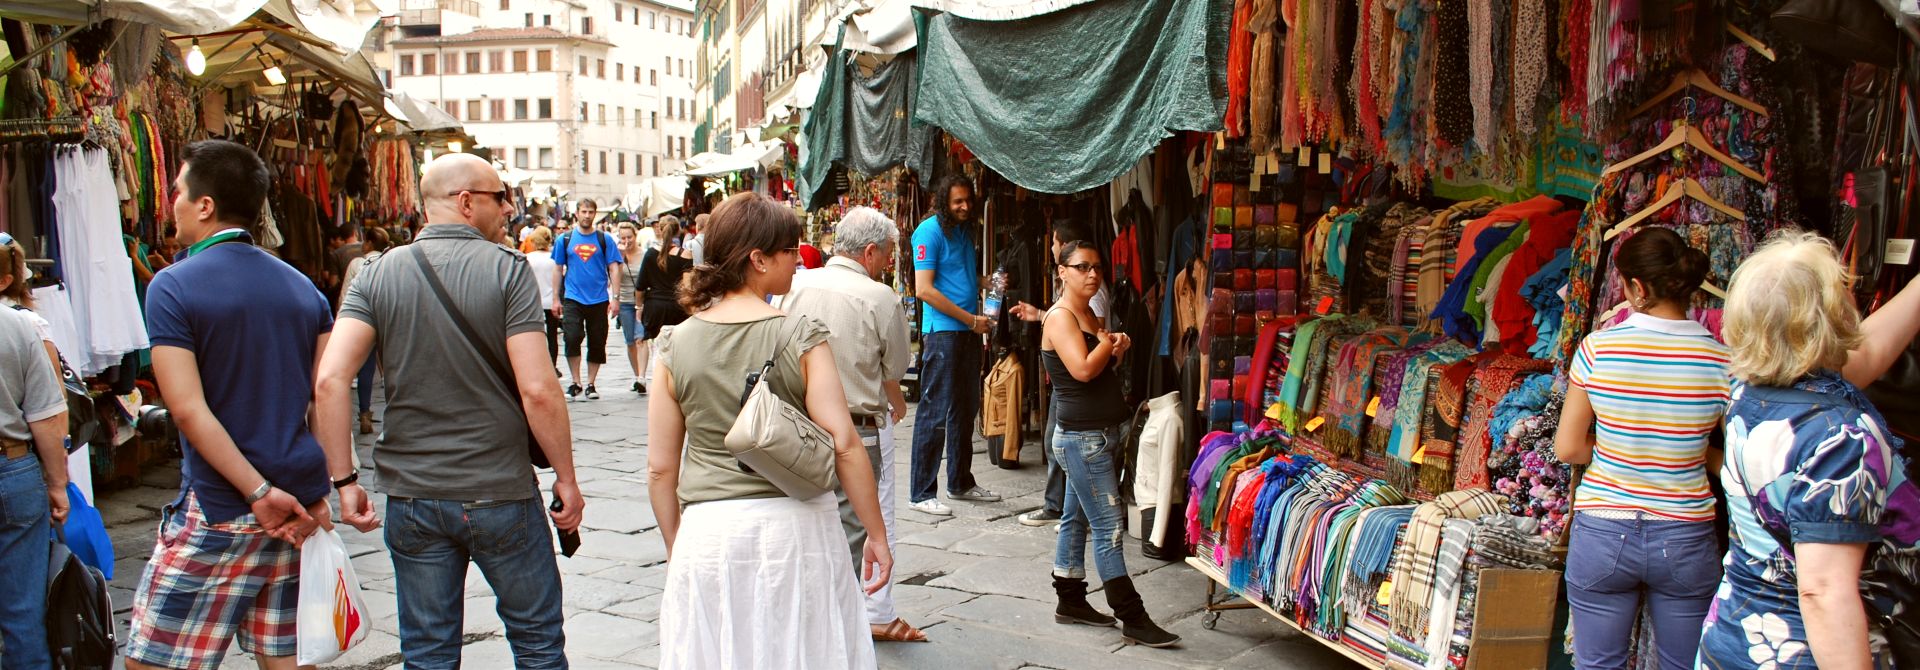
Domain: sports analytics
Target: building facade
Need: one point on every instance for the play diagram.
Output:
(753, 55)
(587, 97)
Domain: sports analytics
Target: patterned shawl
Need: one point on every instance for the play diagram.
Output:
(1323, 347)
(1414, 571)
(1407, 415)
(1446, 407)
(1490, 384)
(1350, 384)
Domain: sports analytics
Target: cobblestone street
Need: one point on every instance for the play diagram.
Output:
(977, 581)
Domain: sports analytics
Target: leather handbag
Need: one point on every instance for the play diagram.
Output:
(776, 440)
(1857, 30)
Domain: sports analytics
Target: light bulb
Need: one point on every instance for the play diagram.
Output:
(275, 76)
(196, 60)
(455, 146)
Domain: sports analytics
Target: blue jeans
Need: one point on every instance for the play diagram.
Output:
(949, 401)
(1093, 499)
(25, 536)
(431, 543)
(1613, 563)
(366, 384)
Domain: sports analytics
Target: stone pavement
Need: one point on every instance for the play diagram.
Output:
(977, 582)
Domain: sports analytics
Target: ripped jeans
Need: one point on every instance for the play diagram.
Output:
(1093, 499)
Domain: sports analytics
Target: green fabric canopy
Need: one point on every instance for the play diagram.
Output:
(1064, 102)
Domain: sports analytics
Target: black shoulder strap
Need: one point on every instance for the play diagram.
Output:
(460, 320)
(787, 332)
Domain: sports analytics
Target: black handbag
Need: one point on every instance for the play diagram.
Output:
(1857, 30)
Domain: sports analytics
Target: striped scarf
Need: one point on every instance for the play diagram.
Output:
(1415, 572)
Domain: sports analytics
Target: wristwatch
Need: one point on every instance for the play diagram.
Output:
(346, 481)
(260, 492)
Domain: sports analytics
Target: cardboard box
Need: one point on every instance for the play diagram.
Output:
(1513, 619)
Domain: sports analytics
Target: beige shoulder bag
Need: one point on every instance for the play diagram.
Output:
(778, 441)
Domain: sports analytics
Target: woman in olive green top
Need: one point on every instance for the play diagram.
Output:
(754, 578)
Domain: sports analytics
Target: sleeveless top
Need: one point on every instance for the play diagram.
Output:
(1091, 405)
(710, 380)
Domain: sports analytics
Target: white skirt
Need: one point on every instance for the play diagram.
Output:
(763, 583)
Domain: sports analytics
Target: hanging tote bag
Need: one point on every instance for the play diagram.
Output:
(332, 615)
(777, 440)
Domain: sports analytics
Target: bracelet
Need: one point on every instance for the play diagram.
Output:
(346, 481)
(260, 492)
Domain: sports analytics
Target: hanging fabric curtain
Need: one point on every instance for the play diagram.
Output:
(1070, 100)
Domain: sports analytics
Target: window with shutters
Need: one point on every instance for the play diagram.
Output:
(473, 62)
(521, 158)
(600, 67)
(653, 76)
(545, 60)
(406, 65)
(583, 66)
(603, 162)
(546, 158)
(473, 110)
(620, 164)
(546, 108)
(586, 27)
(619, 12)
(602, 109)
(520, 60)
(496, 61)
(520, 109)
(429, 64)
(619, 116)
(620, 71)
(498, 110)
(654, 121)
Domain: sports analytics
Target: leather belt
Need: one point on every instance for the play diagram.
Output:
(15, 448)
(866, 421)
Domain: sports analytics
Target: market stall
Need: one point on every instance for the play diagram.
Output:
(1364, 239)
(101, 98)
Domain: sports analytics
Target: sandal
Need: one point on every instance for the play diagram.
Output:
(898, 631)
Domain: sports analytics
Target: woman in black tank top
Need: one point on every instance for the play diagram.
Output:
(1086, 392)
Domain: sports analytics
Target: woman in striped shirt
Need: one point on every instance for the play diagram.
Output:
(1651, 390)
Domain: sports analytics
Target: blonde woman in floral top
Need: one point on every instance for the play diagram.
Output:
(1826, 526)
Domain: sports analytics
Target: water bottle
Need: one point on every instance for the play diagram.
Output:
(996, 295)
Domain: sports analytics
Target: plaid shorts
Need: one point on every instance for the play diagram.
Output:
(208, 582)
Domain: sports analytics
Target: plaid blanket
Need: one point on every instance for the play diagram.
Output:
(1414, 573)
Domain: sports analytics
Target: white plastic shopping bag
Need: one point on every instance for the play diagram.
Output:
(333, 615)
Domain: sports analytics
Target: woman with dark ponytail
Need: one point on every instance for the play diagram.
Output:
(1655, 386)
(754, 578)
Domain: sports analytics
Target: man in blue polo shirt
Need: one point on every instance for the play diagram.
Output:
(946, 272)
(584, 260)
(235, 335)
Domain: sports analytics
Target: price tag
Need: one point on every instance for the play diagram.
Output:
(1315, 423)
(1326, 163)
(1220, 140)
(1304, 155)
(1260, 164)
(1373, 406)
(1899, 252)
(1253, 181)
(1273, 411)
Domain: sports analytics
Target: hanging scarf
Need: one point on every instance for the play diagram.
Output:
(1351, 386)
(1414, 573)
(1411, 409)
(1490, 384)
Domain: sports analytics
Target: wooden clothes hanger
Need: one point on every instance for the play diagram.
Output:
(1748, 39)
(1688, 136)
(1696, 79)
(1680, 188)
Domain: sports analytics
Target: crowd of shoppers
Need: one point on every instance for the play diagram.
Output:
(1820, 568)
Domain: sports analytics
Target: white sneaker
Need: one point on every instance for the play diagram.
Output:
(932, 506)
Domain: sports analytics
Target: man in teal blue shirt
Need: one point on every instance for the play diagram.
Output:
(946, 271)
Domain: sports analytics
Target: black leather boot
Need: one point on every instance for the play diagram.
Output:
(1135, 626)
(1073, 607)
